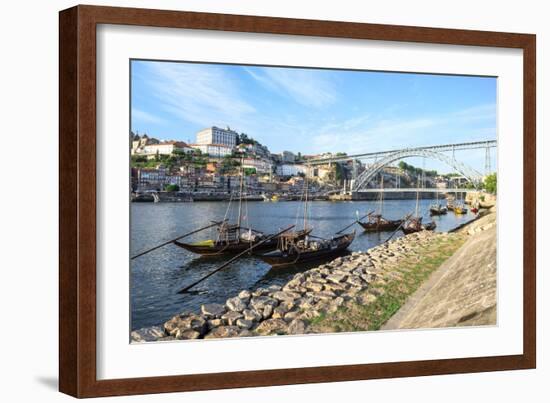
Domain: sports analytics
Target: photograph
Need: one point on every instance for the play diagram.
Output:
(278, 200)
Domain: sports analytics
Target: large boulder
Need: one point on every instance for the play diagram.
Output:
(187, 334)
(147, 334)
(282, 309)
(297, 326)
(251, 314)
(213, 310)
(337, 277)
(258, 303)
(245, 295)
(244, 324)
(231, 317)
(272, 326)
(223, 331)
(186, 322)
(313, 286)
(286, 295)
(355, 281)
(290, 316)
(325, 295)
(267, 311)
(235, 304)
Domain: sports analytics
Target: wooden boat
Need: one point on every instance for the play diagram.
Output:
(292, 252)
(233, 239)
(450, 203)
(415, 225)
(377, 223)
(475, 207)
(437, 209)
(459, 209)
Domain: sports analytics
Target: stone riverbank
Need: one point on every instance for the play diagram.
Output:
(360, 291)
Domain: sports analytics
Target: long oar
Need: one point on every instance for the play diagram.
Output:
(185, 289)
(175, 239)
(355, 222)
(398, 228)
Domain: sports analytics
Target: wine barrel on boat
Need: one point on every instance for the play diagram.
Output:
(292, 251)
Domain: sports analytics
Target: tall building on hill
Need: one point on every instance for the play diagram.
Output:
(215, 135)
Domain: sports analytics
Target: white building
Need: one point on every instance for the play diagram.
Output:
(214, 150)
(290, 169)
(260, 165)
(165, 148)
(215, 135)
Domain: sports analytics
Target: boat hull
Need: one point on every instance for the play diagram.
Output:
(418, 227)
(226, 248)
(390, 225)
(281, 259)
(234, 248)
(435, 211)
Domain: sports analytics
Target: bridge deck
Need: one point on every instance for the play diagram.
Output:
(441, 148)
(429, 190)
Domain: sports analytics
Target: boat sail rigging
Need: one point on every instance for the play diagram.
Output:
(414, 224)
(231, 239)
(377, 222)
(293, 249)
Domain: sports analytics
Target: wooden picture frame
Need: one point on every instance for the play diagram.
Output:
(77, 182)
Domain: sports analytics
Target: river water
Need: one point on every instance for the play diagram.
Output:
(156, 277)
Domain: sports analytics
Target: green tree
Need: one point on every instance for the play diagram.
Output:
(172, 188)
(228, 164)
(490, 183)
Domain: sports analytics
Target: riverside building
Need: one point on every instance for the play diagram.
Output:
(215, 135)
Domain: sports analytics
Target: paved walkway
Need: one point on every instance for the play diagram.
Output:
(462, 292)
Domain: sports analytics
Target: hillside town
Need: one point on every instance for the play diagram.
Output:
(211, 168)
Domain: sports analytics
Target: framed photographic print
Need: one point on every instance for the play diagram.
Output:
(254, 201)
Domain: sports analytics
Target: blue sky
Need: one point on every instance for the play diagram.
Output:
(315, 110)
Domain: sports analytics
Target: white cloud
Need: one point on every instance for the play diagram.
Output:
(202, 94)
(146, 117)
(366, 134)
(313, 89)
(479, 112)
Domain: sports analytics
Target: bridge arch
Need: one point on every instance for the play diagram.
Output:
(366, 176)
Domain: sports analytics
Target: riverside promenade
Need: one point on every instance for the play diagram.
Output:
(421, 280)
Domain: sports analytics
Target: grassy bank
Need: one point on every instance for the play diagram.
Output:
(389, 291)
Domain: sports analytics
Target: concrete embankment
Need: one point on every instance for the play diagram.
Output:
(360, 291)
(462, 292)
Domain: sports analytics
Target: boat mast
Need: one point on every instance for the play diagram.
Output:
(305, 205)
(240, 195)
(417, 195)
(381, 192)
